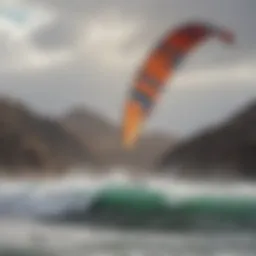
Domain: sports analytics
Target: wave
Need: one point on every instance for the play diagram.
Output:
(121, 201)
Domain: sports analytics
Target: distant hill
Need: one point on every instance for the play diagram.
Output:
(103, 138)
(226, 150)
(30, 141)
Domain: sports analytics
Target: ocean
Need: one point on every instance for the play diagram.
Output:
(22, 233)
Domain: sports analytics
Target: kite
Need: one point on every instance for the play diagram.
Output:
(158, 68)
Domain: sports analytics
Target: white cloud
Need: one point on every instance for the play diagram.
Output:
(105, 38)
(23, 55)
(97, 66)
(30, 59)
(33, 18)
(102, 42)
(239, 73)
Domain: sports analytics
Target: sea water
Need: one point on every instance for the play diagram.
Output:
(22, 234)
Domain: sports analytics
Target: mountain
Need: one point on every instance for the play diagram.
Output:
(30, 141)
(226, 150)
(103, 138)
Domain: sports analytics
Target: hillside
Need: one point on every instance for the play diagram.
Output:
(103, 138)
(30, 141)
(226, 150)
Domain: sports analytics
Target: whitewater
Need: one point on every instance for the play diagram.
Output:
(21, 201)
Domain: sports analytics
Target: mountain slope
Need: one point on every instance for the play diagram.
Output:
(229, 149)
(28, 140)
(103, 138)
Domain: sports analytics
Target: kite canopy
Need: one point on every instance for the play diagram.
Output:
(159, 66)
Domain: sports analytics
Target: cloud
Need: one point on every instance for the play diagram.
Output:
(58, 34)
(105, 37)
(87, 52)
(19, 53)
(35, 17)
(239, 73)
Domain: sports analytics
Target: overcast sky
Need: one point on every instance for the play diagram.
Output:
(58, 53)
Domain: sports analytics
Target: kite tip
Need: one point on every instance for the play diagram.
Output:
(228, 37)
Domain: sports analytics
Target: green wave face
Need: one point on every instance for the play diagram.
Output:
(134, 207)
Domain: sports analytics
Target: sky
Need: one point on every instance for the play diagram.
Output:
(56, 54)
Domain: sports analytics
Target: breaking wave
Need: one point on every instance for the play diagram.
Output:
(120, 200)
